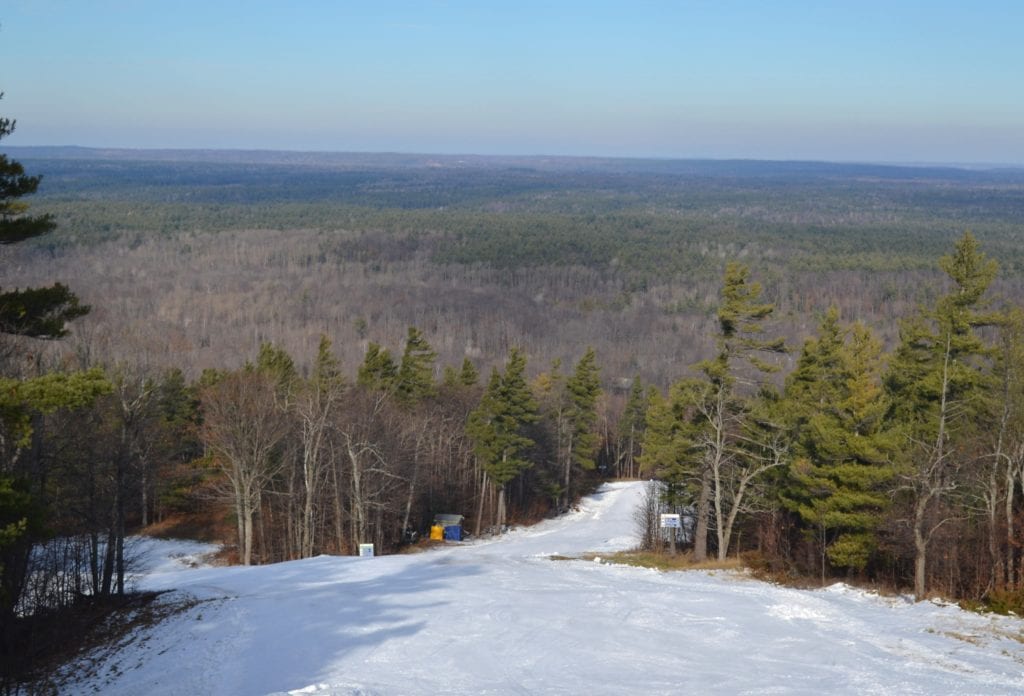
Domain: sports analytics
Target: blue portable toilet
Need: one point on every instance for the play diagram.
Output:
(452, 526)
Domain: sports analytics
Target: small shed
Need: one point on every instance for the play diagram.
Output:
(447, 527)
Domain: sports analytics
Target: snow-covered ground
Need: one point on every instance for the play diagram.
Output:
(501, 617)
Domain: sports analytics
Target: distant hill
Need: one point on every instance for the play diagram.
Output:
(739, 168)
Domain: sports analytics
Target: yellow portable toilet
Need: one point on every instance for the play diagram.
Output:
(451, 527)
(437, 533)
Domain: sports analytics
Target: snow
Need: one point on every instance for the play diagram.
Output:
(502, 617)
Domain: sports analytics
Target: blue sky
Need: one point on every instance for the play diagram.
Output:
(847, 81)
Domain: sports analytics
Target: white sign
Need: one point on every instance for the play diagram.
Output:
(366, 550)
(671, 522)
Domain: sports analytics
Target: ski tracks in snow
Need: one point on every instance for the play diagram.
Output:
(499, 617)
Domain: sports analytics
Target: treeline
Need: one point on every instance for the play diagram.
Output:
(287, 464)
(205, 300)
(635, 241)
(642, 216)
(903, 467)
(623, 256)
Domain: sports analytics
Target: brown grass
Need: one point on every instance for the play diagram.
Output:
(658, 561)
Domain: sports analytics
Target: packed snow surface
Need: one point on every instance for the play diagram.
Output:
(503, 617)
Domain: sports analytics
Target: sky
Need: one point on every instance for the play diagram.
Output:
(887, 81)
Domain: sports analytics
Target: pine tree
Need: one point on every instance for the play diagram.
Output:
(720, 408)
(839, 481)
(936, 382)
(741, 322)
(415, 378)
(33, 312)
(670, 451)
(468, 375)
(496, 426)
(23, 514)
(582, 389)
(631, 428)
(378, 370)
(326, 369)
(1007, 450)
(276, 364)
(552, 399)
(450, 377)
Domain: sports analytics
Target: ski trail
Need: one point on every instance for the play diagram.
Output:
(499, 617)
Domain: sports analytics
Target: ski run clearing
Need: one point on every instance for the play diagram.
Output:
(502, 617)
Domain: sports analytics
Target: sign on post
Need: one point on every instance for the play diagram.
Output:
(671, 521)
(366, 550)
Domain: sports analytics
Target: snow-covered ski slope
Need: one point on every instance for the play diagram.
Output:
(500, 617)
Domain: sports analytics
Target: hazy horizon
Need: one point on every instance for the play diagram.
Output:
(880, 82)
(22, 149)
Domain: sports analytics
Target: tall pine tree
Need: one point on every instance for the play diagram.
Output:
(415, 378)
(378, 370)
(839, 481)
(497, 426)
(34, 312)
(583, 389)
(937, 381)
(720, 409)
(631, 429)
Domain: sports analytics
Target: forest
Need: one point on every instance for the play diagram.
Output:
(295, 353)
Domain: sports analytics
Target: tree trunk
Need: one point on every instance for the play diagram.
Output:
(501, 509)
(339, 529)
(480, 505)
(1012, 473)
(567, 478)
(240, 517)
(119, 527)
(920, 549)
(108, 564)
(359, 521)
(700, 535)
(721, 530)
(247, 514)
(920, 559)
(145, 491)
(94, 561)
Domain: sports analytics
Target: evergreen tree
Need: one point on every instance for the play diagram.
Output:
(670, 451)
(464, 376)
(741, 318)
(552, 399)
(468, 375)
(415, 377)
(34, 312)
(326, 369)
(582, 389)
(1006, 471)
(839, 481)
(450, 377)
(277, 365)
(24, 512)
(631, 427)
(496, 426)
(720, 407)
(937, 381)
(378, 370)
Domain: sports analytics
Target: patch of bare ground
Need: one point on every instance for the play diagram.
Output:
(91, 632)
(658, 561)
